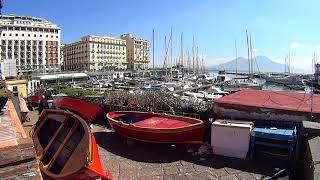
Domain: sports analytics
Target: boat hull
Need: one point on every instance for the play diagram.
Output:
(192, 134)
(65, 147)
(87, 110)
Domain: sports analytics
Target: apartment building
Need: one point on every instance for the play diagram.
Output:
(33, 43)
(95, 53)
(138, 52)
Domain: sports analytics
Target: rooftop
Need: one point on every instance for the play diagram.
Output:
(291, 101)
(16, 20)
(133, 37)
(100, 39)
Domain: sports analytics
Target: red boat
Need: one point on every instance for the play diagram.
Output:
(65, 147)
(156, 127)
(87, 110)
(34, 101)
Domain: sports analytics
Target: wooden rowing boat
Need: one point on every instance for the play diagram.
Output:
(65, 147)
(87, 110)
(156, 127)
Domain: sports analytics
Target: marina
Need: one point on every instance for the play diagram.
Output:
(159, 90)
(145, 112)
(209, 125)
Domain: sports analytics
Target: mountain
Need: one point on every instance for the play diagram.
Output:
(262, 64)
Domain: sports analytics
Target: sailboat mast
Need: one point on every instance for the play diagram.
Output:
(251, 56)
(285, 64)
(193, 56)
(182, 65)
(202, 65)
(289, 61)
(188, 61)
(312, 80)
(154, 71)
(171, 53)
(248, 47)
(235, 46)
(197, 60)
(290, 68)
(165, 55)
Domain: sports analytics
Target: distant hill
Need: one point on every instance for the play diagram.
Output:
(262, 63)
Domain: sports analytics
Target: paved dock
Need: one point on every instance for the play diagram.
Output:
(151, 161)
(154, 161)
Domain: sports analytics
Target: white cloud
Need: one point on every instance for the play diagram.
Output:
(295, 45)
(303, 63)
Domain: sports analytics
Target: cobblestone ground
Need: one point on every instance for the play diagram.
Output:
(32, 117)
(138, 160)
(152, 161)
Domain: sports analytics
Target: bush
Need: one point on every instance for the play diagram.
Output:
(74, 92)
(157, 101)
(146, 101)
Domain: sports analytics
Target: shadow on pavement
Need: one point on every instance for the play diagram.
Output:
(139, 151)
(162, 153)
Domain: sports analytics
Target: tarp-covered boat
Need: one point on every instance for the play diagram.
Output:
(65, 147)
(156, 127)
(87, 110)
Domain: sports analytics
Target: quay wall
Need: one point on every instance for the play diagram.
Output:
(17, 153)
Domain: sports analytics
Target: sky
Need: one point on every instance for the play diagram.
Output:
(277, 27)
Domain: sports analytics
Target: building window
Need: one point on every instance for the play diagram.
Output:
(10, 34)
(22, 34)
(3, 34)
(16, 34)
(34, 35)
(57, 36)
(46, 35)
(40, 35)
(28, 35)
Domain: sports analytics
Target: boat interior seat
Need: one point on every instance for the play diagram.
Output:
(59, 137)
(160, 122)
(70, 110)
(129, 118)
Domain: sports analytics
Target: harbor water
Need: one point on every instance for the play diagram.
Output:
(267, 85)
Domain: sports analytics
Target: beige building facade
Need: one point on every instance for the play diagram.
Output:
(95, 53)
(33, 43)
(138, 52)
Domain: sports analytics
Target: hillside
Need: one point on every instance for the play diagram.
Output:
(262, 64)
